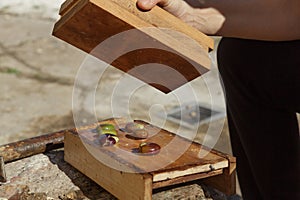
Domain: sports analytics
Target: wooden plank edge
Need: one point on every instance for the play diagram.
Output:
(66, 6)
(67, 15)
(185, 179)
(194, 170)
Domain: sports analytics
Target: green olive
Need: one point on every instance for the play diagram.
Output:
(110, 132)
(149, 148)
(106, 129)
(132, 126)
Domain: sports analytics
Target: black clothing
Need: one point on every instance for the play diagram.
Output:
(262, 88)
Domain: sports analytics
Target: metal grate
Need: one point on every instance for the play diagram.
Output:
(192, 115)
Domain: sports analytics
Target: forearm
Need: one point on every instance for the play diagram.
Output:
(256, 19)
(252, 19)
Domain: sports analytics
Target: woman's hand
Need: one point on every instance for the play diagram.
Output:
(179, 8)
(207, 20)
(149, 4)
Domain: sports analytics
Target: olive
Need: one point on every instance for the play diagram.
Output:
(132, 126)
(149, 148)
(108, 140)
(111, 132)
(140, 133)
(106, 129)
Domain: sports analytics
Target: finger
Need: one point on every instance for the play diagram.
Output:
(149, 4)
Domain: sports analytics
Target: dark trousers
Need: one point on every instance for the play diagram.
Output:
(262, 88)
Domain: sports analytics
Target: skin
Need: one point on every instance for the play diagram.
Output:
(271, 20)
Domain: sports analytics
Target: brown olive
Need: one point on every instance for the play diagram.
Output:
(140, 134)
(149, 148)
(132, 126)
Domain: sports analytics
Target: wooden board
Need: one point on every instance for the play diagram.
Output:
(120, 161)
(87, 23)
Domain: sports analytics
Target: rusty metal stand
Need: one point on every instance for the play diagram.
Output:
(28, 147)
(2, 171)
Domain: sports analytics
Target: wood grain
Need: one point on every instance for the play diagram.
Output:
(67, 5)
(121, 166)
(178, 156)
(87, 23)
(185, 179)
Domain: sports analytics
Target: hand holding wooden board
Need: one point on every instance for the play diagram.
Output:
(170, 52)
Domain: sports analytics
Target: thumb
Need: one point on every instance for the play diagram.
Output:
(149, 4)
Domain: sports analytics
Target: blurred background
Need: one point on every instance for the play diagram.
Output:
(37, 74)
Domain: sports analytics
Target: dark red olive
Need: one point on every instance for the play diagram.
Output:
(108, 140)
(149, 148)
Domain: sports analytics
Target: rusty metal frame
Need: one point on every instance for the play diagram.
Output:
(29, 147)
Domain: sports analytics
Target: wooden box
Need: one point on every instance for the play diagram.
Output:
(129, 175)
(116, 32)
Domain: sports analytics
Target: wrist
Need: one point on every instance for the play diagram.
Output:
(179, 8)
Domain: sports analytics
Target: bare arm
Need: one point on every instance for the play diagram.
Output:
(273, 20)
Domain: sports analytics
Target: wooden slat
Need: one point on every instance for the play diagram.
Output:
(67, 5)
(185, 179)
(89, 22)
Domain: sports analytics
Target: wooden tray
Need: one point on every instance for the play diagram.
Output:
(87, 23)
(128, 175)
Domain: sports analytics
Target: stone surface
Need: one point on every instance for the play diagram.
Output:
(191, 192)
(47, 176)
